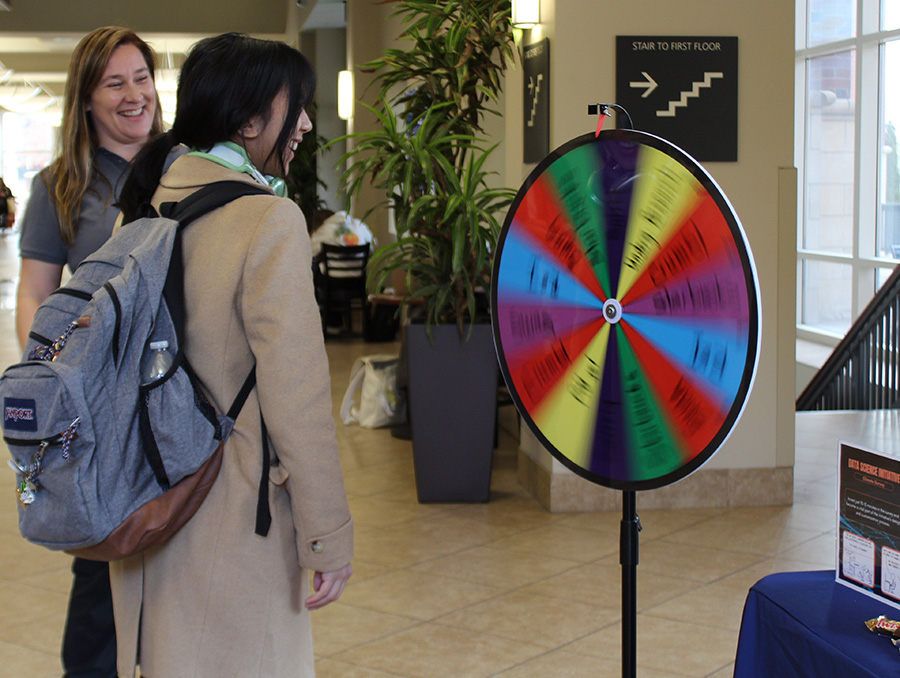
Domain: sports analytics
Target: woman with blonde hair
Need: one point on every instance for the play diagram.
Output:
(111, 110)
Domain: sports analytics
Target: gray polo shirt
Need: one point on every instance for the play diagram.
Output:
(40, 238)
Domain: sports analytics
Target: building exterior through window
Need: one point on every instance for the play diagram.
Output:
(848, 115)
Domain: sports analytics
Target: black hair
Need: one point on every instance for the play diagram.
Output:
(225, 81)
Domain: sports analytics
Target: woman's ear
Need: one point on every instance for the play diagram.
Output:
(252, 128)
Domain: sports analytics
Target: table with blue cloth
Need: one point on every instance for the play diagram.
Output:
(806, 624)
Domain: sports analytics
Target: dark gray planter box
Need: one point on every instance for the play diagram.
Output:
(453, 407)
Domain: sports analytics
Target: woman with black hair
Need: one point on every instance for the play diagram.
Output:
(217, 599)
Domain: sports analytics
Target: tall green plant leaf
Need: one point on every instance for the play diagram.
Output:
(427, 156)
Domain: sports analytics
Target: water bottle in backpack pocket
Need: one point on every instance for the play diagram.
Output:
(156, 362)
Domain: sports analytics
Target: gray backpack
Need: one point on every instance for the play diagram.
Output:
(97, 454)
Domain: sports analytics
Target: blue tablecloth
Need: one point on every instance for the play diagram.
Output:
(804, 624)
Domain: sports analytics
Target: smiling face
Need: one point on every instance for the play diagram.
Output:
(260, 137)
(301, 127)
(123, 104)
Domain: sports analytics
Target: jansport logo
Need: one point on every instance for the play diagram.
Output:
(19, 414)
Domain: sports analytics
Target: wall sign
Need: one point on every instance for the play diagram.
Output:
(683, 89)
(536, 101)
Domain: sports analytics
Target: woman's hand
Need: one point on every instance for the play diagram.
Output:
(328, 587)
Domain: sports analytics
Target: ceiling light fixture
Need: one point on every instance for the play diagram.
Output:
(526, 13)
(345, 95)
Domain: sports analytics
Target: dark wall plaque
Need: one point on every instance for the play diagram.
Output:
(684, 89)
(537, 100)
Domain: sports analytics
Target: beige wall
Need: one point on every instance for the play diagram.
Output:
(370, 30)
(327, 50)
(760, 186)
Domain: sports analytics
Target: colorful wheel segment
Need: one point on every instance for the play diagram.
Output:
(626, 309)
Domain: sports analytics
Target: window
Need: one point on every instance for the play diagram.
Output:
(848, 70)
(26, 146)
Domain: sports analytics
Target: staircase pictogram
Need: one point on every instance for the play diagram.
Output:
(692, 93)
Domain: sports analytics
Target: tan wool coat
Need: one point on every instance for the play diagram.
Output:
(217, 600)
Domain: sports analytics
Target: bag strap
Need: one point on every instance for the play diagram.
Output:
(263, 515)
(242, 395)
(206, 199)
(197, 204)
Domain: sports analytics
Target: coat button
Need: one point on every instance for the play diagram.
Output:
(318, 547)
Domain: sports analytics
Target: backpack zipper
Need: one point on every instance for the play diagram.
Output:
(78, 294)
(64, 438)
(86, 296)
(40, 338)
(26, 442)
(117, 307)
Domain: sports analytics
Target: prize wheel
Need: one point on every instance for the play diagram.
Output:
(625, 309)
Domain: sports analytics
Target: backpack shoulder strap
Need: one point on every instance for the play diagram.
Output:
(197, 204)
(207, 199)
(202, 201)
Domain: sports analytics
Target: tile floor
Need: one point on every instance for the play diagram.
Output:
(471, 591)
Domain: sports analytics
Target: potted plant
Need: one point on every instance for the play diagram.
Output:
(428, 157)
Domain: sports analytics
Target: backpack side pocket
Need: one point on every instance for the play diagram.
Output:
(175, 440)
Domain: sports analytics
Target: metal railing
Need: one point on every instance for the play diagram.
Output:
(863, 371)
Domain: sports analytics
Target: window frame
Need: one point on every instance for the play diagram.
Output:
(863, 260)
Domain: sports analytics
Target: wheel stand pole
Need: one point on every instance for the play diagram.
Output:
(628, 557)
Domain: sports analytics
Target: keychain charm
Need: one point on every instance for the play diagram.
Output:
(25, 491)
(27, 487)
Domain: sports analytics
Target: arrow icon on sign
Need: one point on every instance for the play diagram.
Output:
(649, 84)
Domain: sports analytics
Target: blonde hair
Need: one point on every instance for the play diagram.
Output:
(71, 172)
